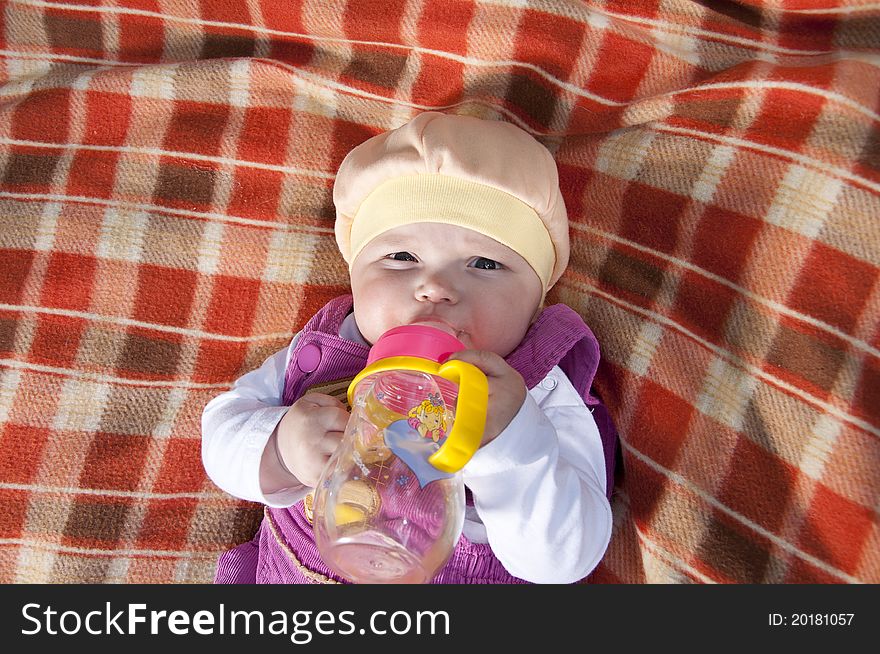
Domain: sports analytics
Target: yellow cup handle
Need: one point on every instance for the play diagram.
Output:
(470, 416)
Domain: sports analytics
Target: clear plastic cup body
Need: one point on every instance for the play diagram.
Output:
(382, 514)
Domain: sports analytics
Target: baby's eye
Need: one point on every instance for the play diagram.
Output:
(486, 264)
(400, 256)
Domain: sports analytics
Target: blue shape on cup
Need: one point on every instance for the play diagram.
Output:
(413, 449)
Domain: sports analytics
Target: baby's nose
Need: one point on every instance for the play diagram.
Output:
(436, 288)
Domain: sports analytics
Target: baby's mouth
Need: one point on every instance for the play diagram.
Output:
(439, 324)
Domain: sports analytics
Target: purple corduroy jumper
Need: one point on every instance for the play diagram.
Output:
(284, 551)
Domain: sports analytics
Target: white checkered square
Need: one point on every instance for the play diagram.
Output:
(803, 201)
(725, 393)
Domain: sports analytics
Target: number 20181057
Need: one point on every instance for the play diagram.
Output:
(810, 619)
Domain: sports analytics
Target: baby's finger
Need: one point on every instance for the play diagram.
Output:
(330, 442)
(322, 400)
(490, 363)
(331, 418)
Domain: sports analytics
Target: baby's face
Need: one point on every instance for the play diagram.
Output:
(432, 420)
(448, 277)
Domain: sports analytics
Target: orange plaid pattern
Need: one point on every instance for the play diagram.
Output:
(166, 223)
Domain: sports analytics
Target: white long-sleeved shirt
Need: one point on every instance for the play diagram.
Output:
(538, 487)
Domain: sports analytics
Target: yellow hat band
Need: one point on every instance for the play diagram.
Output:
(436, 198)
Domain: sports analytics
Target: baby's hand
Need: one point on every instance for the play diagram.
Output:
(309, 433)
(507, 390)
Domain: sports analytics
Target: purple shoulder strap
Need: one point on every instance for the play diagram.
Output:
(338, 358)
(560, 337)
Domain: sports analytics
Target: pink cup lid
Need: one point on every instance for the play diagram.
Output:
(415, 341)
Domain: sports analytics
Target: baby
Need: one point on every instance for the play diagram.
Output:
(457, 223)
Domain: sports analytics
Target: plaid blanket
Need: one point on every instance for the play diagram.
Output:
(166, 223)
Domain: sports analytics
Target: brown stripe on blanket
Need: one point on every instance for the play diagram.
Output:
(379, 67)
(190, 187)
(809, 360)
(712, 112)
(93, 521)
(150, 355)
(228, 45)
(67, 32)
(633, 275)
(8, 322)
(30, 171)
(528, 93)
(736, 553)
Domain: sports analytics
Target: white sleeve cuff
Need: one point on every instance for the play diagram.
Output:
(258, 429)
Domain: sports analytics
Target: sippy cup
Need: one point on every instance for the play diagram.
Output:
(389, 507)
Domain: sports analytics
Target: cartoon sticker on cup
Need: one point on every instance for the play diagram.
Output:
(415, 439)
